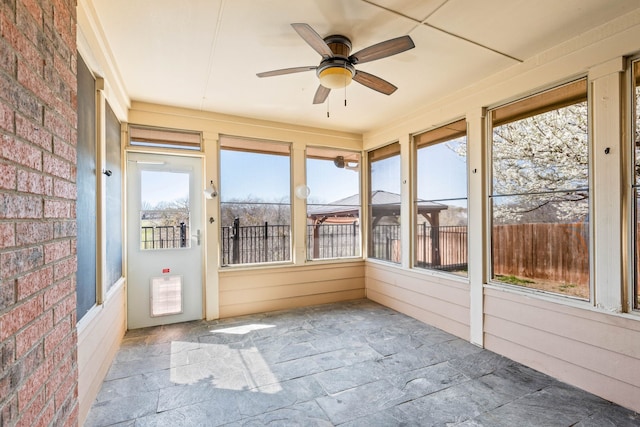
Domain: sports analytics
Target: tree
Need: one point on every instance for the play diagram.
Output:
(253, 211)
(541, 167)
(166, 213)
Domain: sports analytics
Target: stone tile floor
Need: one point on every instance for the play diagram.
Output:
(350, 364)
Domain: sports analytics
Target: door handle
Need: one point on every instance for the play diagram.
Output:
(197, 236)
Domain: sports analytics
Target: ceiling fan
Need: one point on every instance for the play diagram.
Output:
(337, 67)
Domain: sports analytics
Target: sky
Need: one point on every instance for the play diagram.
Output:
(157, 186)
(441, 175)
(259, 176)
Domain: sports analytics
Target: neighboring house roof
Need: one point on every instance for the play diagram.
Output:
(383, 201)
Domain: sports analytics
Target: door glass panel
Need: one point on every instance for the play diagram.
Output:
(164, 210)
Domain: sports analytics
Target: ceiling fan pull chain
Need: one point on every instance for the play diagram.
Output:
(328, 101)
(345, 87)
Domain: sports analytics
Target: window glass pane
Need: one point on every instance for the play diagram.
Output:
(441, 203)
(550, 255)
(86, 204)
(164, 217)
(255, 203)
(333, 206)
(540, 198)
(384, 201)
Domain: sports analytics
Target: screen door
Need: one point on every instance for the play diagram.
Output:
(164, 239)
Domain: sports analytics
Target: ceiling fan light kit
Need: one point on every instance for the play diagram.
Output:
(335, 77)
(337, 68)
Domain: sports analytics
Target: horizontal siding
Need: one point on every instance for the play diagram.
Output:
(259, 290)
(98, 343)
(591, 350)
(436, 300)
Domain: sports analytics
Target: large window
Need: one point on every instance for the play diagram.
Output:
(540, 192)
(86, 206)
(333, 206)
(636, 179)
(440, 205)
(255, 201)
(384, 203)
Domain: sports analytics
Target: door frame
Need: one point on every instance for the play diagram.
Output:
(202, 225)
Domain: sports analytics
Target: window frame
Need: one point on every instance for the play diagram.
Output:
(252, 145)
(632, 290)
(383, 152)
(518, 115)
(360, 238)
(449, 131)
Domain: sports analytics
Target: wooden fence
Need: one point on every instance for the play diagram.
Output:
(553, 252)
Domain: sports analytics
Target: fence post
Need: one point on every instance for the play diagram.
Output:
(183, 235)
(265, 243)
(424, 244)
(353, 241)
(316, 239)
(236, 240)
(435, 243)
(388, 249)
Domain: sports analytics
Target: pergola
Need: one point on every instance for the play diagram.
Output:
(383, 204)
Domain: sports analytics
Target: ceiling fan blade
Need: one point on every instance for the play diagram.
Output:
(313, 39)
(321, 94)
(374, 82)
(382, 50)
(285, 71)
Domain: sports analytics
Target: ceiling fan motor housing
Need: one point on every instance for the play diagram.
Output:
(336, 72)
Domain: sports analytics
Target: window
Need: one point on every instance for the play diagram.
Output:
(164, 213)
(636, 182)
(86, 206)
(540, 192)
(440, 205)
(255, 201)
(140, 136)
(113, 195)
(384, 203)
(333, 206)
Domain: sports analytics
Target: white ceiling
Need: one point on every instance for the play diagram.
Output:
(204, 54)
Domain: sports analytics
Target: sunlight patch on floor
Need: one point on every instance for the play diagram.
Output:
(242, 330)
(226, 366)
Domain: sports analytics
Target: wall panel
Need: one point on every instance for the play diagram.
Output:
(589, 349)
(440, 301)
(259, 290)
(99, 339)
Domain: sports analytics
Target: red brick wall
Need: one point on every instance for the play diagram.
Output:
(38, 367)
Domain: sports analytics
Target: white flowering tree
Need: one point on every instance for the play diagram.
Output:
(540, 167)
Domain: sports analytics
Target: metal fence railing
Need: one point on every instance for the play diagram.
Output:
(441, 248)
(164, 236)
(255, 243)
(385, 243)
(333, 240)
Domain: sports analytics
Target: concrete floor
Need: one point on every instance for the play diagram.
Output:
(348, 364)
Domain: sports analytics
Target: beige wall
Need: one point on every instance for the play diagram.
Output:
(587, 348)
(438, 301)
(261, 290)
(591, 344)
(99, 336)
